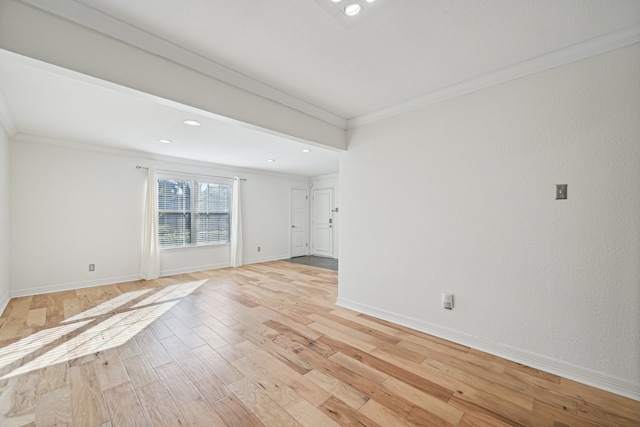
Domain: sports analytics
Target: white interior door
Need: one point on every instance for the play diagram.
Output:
(299, 240)
(323, 222)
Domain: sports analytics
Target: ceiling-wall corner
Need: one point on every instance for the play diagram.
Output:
(583, 50)
(6, 120)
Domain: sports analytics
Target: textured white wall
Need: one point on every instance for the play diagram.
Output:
(4, 219)
(459, 197)
(74, 207)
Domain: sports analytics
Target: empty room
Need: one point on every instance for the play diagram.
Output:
(320, 213)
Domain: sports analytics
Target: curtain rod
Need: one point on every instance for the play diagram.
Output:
(188, 173)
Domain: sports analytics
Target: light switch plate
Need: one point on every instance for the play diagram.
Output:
(561, 191)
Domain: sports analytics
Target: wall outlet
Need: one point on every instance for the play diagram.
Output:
(92, 267)
(259, 248)
(447, 301)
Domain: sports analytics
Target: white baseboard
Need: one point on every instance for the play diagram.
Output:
(187, 270)
(266, 259)
(4, 301)
(71, 286)
(113, 280)
(567, 370)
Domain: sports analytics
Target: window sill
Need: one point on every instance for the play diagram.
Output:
(196, 247)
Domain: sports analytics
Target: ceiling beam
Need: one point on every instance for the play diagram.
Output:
(32, 32)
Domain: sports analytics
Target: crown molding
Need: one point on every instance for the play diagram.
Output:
(5, 118)
(151, 157)
(64, 72)
(583, 50)
(95, 20)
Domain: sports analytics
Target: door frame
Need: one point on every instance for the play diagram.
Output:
(306, 220)
(332, 252)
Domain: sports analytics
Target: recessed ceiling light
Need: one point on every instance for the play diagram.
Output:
(370, 1)
(352, 9)
(271, 160)
(336, 1)
(191, 123)
(165, 141)
(306, 150)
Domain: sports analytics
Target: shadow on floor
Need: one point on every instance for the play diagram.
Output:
(316, 261)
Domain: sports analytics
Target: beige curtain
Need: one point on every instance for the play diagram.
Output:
(236, 226)
(150, 266)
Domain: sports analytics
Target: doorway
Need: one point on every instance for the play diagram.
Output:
(299, 214)
(323, 222)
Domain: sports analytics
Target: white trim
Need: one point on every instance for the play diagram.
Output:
(312, 220)
(112, 27)
(72, 286)
(307, 219)
(4, 302)
(5, 118)
(266, 259)
(186, 270)
(134, 93)
(97, 21)
(166, 273)
(115, 280)
(567, 370)
(586, 49)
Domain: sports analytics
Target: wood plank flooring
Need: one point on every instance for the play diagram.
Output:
(262, 345)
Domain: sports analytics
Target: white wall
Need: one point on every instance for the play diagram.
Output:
(73, 207)
(459, 197)
(4, 220)
(268, 228)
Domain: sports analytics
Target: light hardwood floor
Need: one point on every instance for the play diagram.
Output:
(260, 345)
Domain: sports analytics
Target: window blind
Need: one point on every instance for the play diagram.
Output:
(193, 212)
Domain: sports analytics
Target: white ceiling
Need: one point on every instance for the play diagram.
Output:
(407, 49)
(51, 102)
(394, 52)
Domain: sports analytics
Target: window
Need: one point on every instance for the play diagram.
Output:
(192, 212)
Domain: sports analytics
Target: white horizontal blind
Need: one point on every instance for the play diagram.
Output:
(193, 212)
(213, 219)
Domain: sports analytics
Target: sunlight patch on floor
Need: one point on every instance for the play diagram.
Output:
(32, 343)
(108, 306)
(110, 332)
